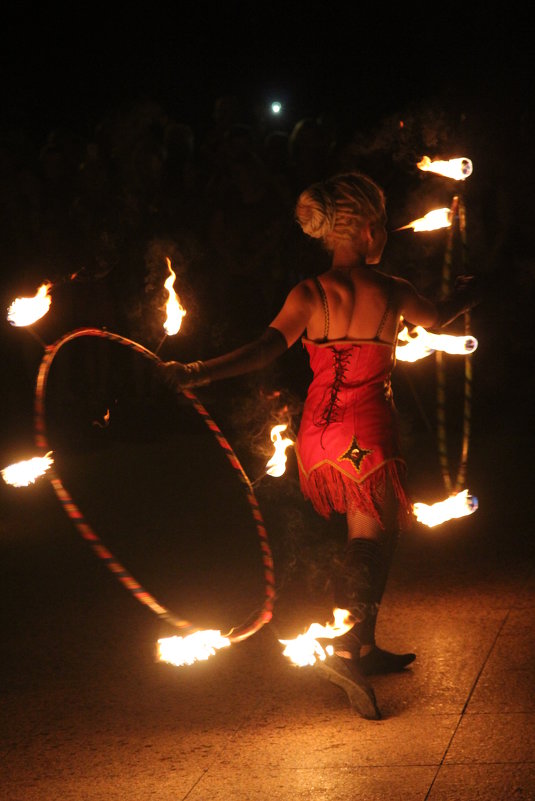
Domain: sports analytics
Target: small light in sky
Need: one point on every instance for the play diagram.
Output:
(276, 107)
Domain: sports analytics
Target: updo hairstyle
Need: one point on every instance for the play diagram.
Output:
(337, 208)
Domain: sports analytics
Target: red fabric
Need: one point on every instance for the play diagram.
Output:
(348, 444)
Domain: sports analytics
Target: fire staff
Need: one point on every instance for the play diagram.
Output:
(347, 447)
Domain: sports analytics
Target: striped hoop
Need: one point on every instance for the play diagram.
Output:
(87, 532)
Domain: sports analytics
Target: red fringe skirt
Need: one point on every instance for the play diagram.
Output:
(330, 490)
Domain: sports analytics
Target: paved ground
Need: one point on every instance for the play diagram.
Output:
(89, 714)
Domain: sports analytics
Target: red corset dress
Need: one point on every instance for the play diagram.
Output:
(348, 445)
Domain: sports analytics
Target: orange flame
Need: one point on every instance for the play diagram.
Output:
(458, 505)
(458, 169)
(174, 309)
(421, 343)
(196, 647)
(305, 648)
(432, 221)
(277, 464)
(21, 474)
(105, 420)
(26, 311)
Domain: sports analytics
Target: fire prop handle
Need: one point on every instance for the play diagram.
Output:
(88, 534)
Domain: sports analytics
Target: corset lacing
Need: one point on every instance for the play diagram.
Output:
(331, 412)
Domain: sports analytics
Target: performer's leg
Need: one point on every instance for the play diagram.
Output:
(352, 591)
(356, 584)
(361, 586)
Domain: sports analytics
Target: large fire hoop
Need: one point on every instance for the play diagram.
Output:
(86, 531)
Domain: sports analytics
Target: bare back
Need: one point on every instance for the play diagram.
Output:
(356, 301)
(361, 303)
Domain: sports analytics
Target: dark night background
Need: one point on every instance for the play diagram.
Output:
(112, 158)
(71, 69)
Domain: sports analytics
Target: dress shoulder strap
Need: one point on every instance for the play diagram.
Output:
(323, 296)
(388, 309)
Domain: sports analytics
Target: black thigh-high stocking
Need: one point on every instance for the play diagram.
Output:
(364, 630)
(358, 588)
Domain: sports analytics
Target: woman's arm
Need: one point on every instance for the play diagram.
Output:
(285, 329)
(415, 308)
(294, 317)
(418, 310)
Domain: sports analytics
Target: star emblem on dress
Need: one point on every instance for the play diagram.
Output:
(354, 454)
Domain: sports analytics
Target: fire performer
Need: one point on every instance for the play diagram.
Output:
(347, 447)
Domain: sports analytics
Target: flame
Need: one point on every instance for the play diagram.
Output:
(174, 309)
(432, 221)
(421, 343)
(23, 473)
(25, 311)
(196, 647)
(105, 420)
(305, 648)
(277, 464)
(458, 505)
(458, 169)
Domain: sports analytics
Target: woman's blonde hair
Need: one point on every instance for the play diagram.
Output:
(337, 208)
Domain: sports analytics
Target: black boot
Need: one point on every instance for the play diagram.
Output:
(359, 588)
(378, 661)
(356, 588)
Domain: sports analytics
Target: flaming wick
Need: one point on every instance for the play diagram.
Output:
(277, 464)
(175, 311)
(21, 474)
(458, 505)
(26, 311)
(305, 648)
(432, 221)
(421, 343)
(196, 647)
(458, 169)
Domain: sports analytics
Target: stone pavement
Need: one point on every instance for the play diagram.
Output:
(88, 714)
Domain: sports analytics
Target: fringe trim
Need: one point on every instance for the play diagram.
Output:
(330, 490)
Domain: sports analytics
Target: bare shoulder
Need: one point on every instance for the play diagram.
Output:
(413, 306)
(297, 310)
(304, 293)
(403, 288)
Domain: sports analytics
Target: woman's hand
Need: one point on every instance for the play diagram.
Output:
(180, 376)
(466, 294)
